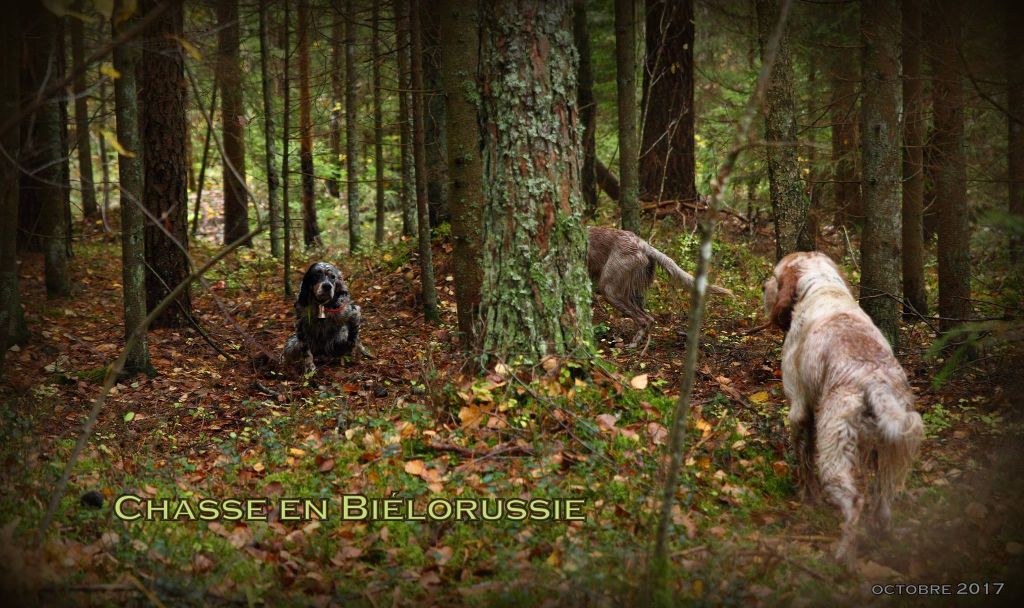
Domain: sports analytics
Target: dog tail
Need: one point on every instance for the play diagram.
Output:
(677, 274)
(901, 430)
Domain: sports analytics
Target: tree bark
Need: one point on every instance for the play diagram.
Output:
(378, 126)
(435, 125)
(844, 78)
(286, 218)
(427, 289)
(87, 187)
(408, 189)
(162, 95)
(232, 116)
(625, 80)
(914, 120)
(204, 159)
(1015, 120)
(310, 229)
(65, 141)
(133, 220)
(789, 205)
(337, 97)
(460, 43)
(942, 24)
(12, 318)
(273, 184)
(880, 151)
(587, 108)
(667, 163)
(535, 295)
(353, 173)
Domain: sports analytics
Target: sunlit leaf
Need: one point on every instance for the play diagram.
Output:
(108, 70)
(111, 139)
(190, 48)
(127, 9)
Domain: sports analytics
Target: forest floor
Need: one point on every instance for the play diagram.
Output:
(416, 420)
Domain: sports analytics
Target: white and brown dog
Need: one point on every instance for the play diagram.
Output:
(851, 408)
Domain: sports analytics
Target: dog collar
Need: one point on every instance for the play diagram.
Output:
(324, 310)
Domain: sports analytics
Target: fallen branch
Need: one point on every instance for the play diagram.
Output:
(509, 448)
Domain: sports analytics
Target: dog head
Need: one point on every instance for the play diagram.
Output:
(793, 276)
(323, 285)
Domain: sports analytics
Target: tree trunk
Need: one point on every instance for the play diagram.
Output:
(408, 189)
(667, 163)
(88, 189)
(914, 296)
(273, 183)
(310, 229)
(587, 107)
(133, 220)
(378, 126)
(427, 290)
(352, 166)
(460, 43)
(1015, 120)
(880, 150)
(65, 142)
(435, 124)
(286, 217)
(104, 164)
(162, 94)
(42, 197)
(337, 98)
(942, 23)
(232, 117)
(844, 78)
(204, 160)
(12, 319)
(625, 79)
(535, 295)
(789, 205)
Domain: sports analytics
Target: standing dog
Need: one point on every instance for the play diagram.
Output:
(326, 320)
(851, 408)
(621, 267)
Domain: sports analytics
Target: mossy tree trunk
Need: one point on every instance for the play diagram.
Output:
(942, 24)
(133, 220)
(428, 292)
(460, 42)
(535, 295)
(629, 144)
(667, 162)
(162, 94)
(786, 190)
(232, 116)
(352, 165)
(914, 125)
(310, 228)
(880, 151)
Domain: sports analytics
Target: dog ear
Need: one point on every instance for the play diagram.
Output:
(782, 312)
(306, 289)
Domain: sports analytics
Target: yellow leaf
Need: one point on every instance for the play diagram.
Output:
(112, 140)
(297, 452)
(190, 48)
(639, 382)
(127, 9)
(415, 467)
(470, 416)
(107, 69)
(759, 397)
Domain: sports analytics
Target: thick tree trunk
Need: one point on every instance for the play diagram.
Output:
(535, 295)
(310, 229)
(133, 220)
(789, 205)
(353, 168)
(625, 80)
(667, 163)
(880, 149)
(914, 121)
(378, 127)
(232, 116)
(942, 24)
(427, 289)
(162, 95)
(460, 43)
(435, 124)
(87, 188)
(273, 184)
(844, 78)
(587, 107)
(1015, 120)
(408, 190)
(12, 318)
(337, 98)
(286, 217)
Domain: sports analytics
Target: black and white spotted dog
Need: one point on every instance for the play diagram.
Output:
(326, 320)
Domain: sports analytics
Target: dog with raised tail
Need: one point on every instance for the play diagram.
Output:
(851, 408)
(621, 267)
